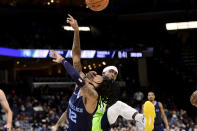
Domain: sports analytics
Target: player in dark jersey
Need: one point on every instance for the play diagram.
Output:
(119, 108)
(6, 107)
(84, 100)
(159, 114)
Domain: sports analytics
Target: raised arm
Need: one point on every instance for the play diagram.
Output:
(76, 50)
(6, 107)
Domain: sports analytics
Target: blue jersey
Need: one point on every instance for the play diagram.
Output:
(158, 120)
(79, 119)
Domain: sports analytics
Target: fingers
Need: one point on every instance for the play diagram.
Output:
(90, 75)
(70, 16)
(54, 60)
(94, 73)
(7, 128)
(52, 54)
(53, 51)
(70, 21)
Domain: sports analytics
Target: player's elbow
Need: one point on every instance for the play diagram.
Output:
(163, 116)
(76, 55)
(10, 111)
(76, 58)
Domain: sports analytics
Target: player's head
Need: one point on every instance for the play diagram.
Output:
(105, 87)
(96, 81)
(193, 98)
(107, 90)
(111, 72)
(151, 96)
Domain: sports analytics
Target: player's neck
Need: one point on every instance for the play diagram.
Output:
(152, 102)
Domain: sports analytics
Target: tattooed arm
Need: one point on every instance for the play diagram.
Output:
(88, 90)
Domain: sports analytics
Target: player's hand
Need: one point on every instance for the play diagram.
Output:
(54, 128)
(91, 74)
(167, 128)
(8, 126)
(56, 57)
(72, 22)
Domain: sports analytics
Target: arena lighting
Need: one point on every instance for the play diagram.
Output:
(181, 25)
(104, 63)
(69, 28)
(85, 54)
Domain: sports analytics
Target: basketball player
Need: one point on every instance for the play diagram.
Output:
(119, 108)
(107, 116)
(102, 118)
(6, 107)
(83, 102)
(159, 112)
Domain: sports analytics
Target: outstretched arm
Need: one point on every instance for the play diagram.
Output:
(90, 93)
(6, 107)
(76, 50)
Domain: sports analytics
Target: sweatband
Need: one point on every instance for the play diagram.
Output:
(110, 68)
(73, 73)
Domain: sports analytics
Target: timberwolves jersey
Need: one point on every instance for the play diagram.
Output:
(158, 120)
(79, 119)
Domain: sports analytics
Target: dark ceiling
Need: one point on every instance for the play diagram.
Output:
(123, 10)
(115, 6)
(142, 20)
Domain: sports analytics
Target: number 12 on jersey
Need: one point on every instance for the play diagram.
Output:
(72, 116)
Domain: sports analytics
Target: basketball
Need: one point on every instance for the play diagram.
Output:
(97, 5)
(193, 98)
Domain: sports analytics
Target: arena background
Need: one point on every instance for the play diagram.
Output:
(38, 90)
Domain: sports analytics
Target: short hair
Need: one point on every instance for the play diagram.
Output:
(151, 92)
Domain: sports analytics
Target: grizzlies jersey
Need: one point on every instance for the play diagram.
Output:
(79, 119)
(158, 120)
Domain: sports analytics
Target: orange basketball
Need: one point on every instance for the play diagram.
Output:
(97, 5)
(193, 98)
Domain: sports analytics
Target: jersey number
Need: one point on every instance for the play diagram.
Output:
(72, 116)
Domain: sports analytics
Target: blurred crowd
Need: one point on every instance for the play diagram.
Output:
(178, 121)
(41, 112)
(38, 113)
